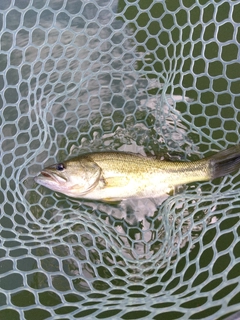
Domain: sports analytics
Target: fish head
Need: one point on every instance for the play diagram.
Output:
(74, 178)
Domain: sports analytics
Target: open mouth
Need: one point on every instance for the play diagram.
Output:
(53, 177)
(45, 174)
(49, 176)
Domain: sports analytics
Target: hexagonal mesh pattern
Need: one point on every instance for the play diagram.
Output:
(151, 77)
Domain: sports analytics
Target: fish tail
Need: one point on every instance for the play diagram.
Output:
(225, 162)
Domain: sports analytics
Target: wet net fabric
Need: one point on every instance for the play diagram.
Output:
(152, 77)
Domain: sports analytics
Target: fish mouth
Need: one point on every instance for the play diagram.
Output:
(46, 175)
(51, 177)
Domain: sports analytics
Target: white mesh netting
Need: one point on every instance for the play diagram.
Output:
(152, 77)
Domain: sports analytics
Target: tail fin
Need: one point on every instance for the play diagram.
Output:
(225, 162)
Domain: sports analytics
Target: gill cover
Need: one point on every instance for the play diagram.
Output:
(91, 174)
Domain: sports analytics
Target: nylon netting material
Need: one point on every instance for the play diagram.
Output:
(153, 77)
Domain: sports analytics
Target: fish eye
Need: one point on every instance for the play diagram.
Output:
(60, 166)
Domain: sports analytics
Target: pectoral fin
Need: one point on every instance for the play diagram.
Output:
(115, 182)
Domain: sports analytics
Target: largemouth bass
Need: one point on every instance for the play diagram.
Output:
(114, 176)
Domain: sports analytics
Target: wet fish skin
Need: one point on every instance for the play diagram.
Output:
(114, 176)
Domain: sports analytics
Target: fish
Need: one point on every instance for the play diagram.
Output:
(114, 176)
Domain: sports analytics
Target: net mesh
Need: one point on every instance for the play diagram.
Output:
(152, 77)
